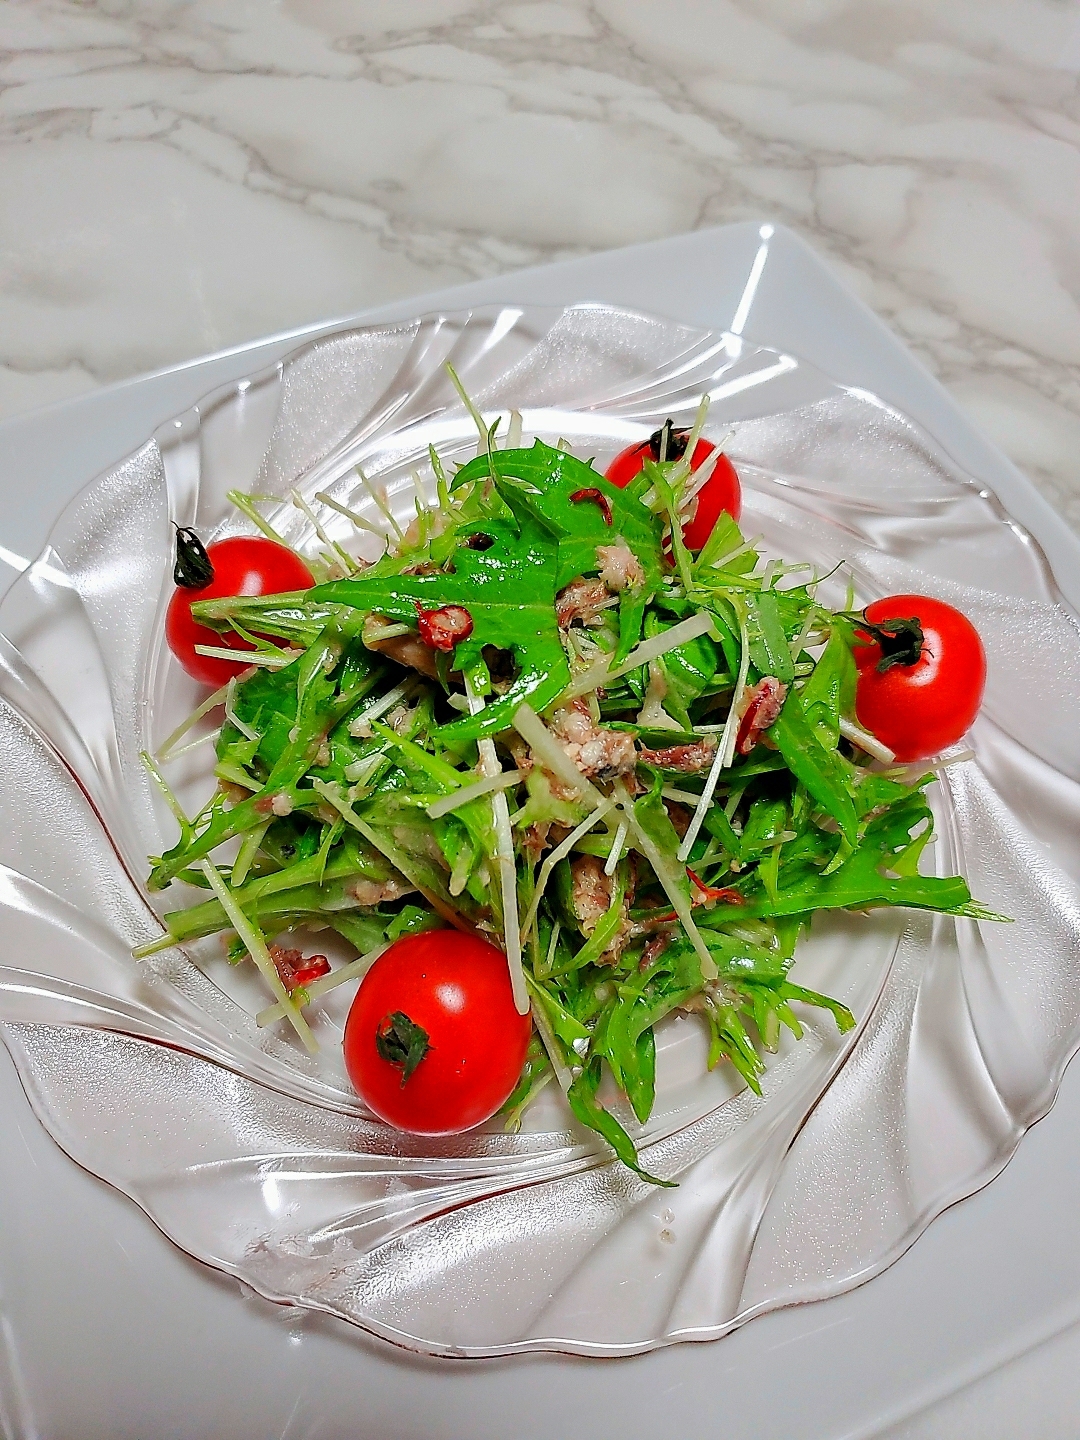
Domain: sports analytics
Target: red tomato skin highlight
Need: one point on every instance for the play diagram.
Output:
(456, 987)
(919, 710)
(243, 565)
(720, 492)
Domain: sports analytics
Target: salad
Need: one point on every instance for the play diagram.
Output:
(572, 755)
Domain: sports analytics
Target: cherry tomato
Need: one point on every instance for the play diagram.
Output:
(720, 492)
(629, 462)
(433, 1042)
(920, 687)
(244, 565)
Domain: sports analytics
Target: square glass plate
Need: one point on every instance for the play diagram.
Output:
(1030, 598)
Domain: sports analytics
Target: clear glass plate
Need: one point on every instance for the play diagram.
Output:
(260, 1161)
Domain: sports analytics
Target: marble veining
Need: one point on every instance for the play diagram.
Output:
(177, 177)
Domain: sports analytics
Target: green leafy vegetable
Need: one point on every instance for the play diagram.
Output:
(329, 760)
(509, 592)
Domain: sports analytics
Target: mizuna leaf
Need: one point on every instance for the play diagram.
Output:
(583, 1102)
(509, 591)
(829, 694)
(769, 649)
(549, 478)
(819, 769)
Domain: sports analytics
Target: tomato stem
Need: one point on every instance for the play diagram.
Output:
(900, 640)
(667, 443)
(193, 568)
(401, 1042)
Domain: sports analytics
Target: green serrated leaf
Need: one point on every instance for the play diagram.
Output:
(508, 590)
(829, 693)
(769, 649)
(554, 476)
(583, 1102)
(819, 769)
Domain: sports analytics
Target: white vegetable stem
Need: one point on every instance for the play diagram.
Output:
(468, 793)
(270, 660)
(700, 478)
(669, 879)
(682, 468)
(477, 418)
(231, 715)
(385, 632)
(703, 474)
(511, 919)
(256, 948)
(191, 745)
(380, 503)
(331, 545)
(210, 703)
(398, 858)
(165, 788)
(865, 741)
(560, 853)
(551, 1045)
(380, 706)
(704, 800)
(725, 749)
(600, 674)
(552, 756)
(357, 520)
(507, 861)
(616, 849)
(730, 736)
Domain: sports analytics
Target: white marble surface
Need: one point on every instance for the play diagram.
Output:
(181, 175)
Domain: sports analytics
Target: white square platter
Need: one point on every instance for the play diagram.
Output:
(105, 1329)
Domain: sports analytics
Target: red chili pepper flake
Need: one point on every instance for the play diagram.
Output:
(710, 892)
(593, 496)
(294, 970)
(445, 627)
